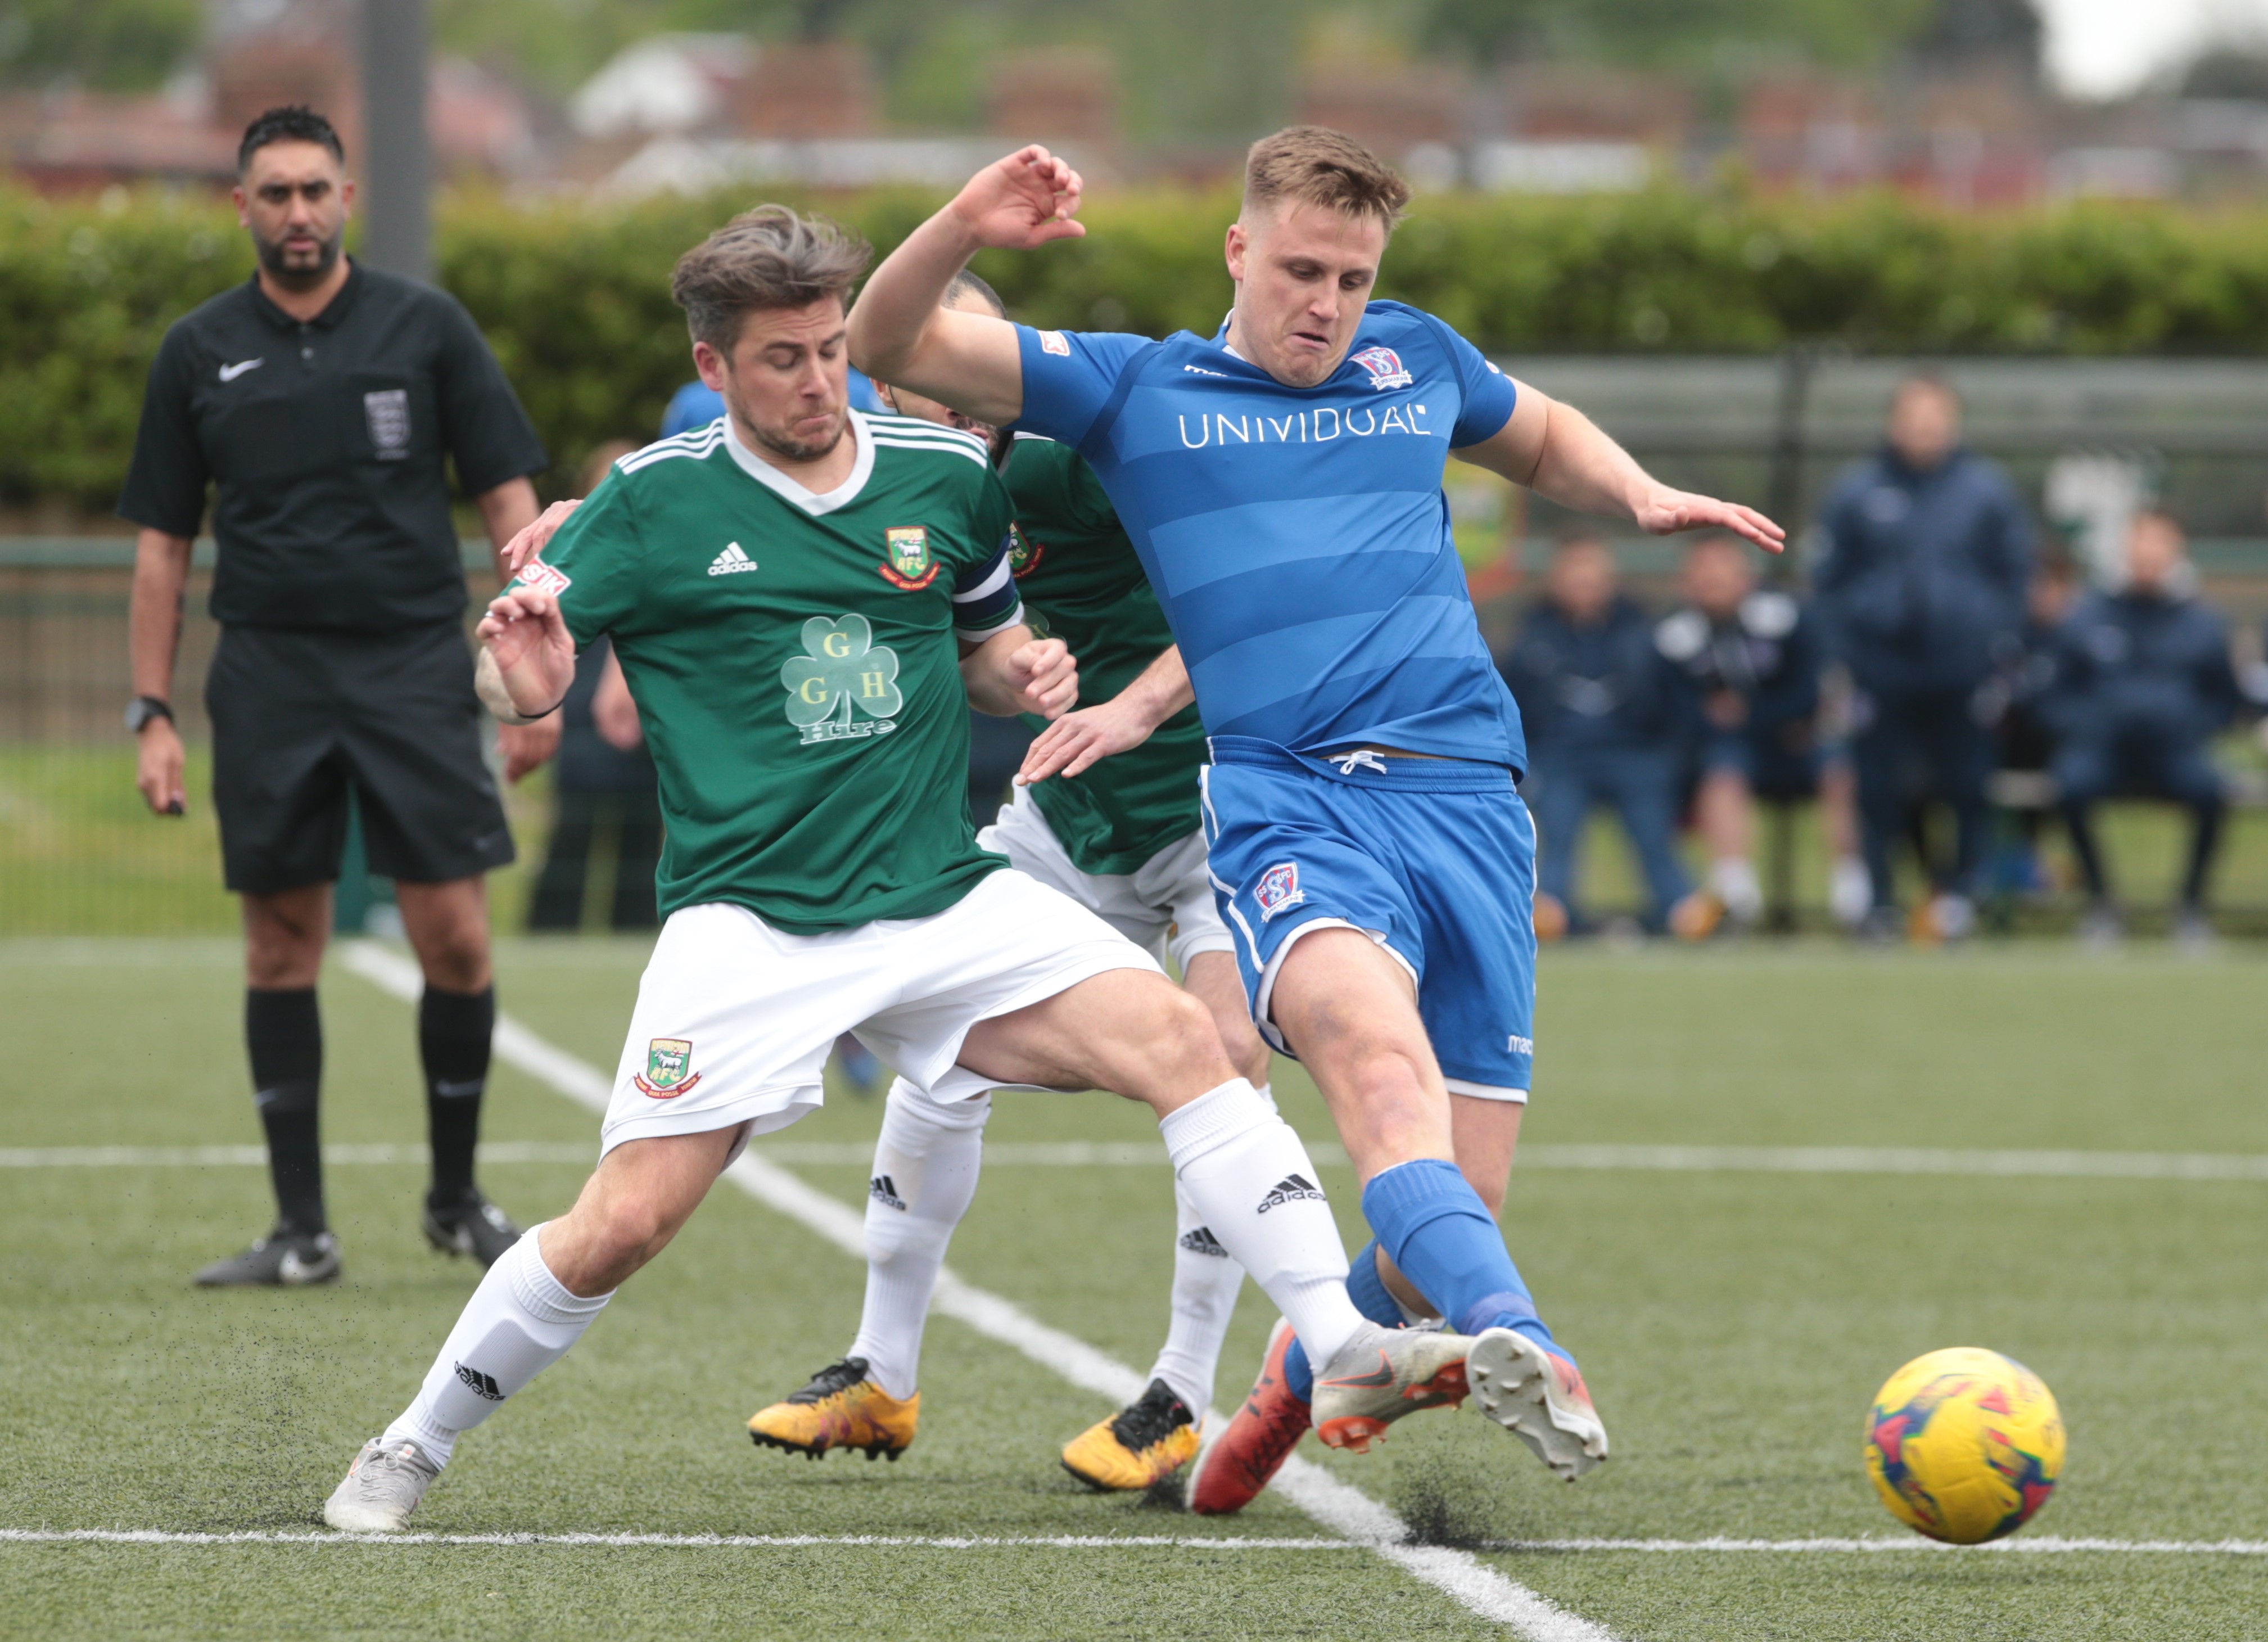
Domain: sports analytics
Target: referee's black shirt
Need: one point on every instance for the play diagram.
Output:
(326, 439)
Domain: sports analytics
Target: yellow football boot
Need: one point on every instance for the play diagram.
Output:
(840, 1408)
(1138, 1447)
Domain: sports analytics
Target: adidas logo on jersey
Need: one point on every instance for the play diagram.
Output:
(479, 1384)
(1202, 1242)
(731, 562)
(1291, 1188)
(884, 1190)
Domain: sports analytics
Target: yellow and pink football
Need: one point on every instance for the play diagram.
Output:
(1964, 1445)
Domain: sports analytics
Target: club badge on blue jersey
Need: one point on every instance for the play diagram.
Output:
(1385, 367)
(1279, 888)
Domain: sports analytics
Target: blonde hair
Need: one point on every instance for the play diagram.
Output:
(1314, 165)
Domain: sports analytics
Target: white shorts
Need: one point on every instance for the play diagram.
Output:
(1164, 905)
(734, 1018)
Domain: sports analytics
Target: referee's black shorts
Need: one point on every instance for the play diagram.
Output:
(300, 715)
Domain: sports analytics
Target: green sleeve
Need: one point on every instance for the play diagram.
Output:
(595, 566)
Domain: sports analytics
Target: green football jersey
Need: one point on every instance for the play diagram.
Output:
(794, 662)
(1077, 568)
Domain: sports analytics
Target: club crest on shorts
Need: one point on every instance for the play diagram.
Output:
(1385, 367)
(909, 565)
(1279, 887)
(668, 1069)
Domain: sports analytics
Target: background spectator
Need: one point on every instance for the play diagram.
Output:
(1741, 682)
(1584, 671)
(2026, 738)
(2142, 684)
(1922, 591)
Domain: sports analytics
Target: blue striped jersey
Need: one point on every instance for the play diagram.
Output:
(1298, 538)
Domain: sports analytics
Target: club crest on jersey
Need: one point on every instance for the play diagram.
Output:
(1279, 887)
(844, 686)
(1385, 368)
(668, 1069)
(909, 566)
(536, 574)
(1024, 553)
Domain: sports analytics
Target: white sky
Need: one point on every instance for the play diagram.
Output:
(2107, 48)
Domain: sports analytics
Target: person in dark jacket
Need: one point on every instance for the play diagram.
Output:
(1739, 667)
(1584, 673)
(1922, 586)
(2142, 683)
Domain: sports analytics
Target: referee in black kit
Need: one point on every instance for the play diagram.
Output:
(320, 399)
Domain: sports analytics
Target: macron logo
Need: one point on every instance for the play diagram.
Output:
(731, 562)
(1520, 1045)
(230, 373)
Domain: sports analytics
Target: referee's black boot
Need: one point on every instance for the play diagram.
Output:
(282, 1259)
(470, 1224)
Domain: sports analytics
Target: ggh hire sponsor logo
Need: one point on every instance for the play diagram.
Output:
(1319, 426)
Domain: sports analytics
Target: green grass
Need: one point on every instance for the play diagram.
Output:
(1733, 1326)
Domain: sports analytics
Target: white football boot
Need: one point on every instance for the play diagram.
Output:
(1380, 1376)
(380, 1489)
(1538, 1397)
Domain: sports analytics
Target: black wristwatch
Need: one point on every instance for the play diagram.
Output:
(143, 709)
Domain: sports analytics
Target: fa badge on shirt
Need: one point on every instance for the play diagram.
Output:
(386, 412)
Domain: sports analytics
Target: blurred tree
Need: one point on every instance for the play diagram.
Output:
(108, 45)
(2224, 72)
(1972, 32)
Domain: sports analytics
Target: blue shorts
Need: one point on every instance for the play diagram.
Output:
(1434, 858)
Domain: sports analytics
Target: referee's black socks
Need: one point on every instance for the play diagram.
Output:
(284, 1034)
(453, 1033)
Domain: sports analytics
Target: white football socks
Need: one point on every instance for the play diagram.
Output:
(1205, 1284)
(520, 1321)
(926, 1160)
(1250, 1179)
(1734, 879)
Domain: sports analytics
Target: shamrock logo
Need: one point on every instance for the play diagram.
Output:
(841, 668)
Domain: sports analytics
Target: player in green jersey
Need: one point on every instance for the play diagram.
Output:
(804, 602)
(1123, 838)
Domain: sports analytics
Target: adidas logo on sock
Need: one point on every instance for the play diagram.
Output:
(479, 1384)
(1202, 1242)
(1291, 1188)
(731, 562)
(884, 1190)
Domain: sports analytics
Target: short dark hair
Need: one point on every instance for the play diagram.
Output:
(974, 284)
(294, 122)
(768, 258)
(1314, 165)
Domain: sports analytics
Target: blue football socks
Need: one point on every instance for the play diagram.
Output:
(1368, 1290)
(1438, 1231)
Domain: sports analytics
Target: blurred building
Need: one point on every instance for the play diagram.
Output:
(1063, 96)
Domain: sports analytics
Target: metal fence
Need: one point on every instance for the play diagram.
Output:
(78, 854)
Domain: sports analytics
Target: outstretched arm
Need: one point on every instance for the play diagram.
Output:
(1074, 743)
(969, 361)
(1561, 455)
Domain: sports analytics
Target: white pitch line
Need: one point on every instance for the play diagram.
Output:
(680, 1542)
(2044, 1545)
(2185, 1166)
(2039, 1545)
(1335, 1505)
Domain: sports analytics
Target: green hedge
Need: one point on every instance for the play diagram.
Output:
(576, 297)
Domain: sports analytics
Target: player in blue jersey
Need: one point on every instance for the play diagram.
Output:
(1282, 482)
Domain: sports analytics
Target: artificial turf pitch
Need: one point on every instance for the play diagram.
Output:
(1733, 1326)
